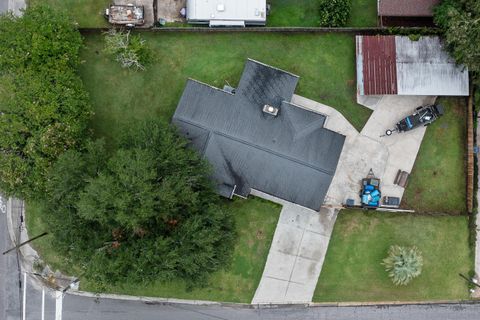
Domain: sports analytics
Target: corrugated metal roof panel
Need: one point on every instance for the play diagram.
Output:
(398, 65)
(379, 72)
(425, 68)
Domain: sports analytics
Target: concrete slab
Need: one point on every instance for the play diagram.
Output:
(277, 288)
(170, 10)
(297, 253)
(288, 238)
(369, 101)
(371, 148)
(304, 270)
(279, 265)
(311, 246)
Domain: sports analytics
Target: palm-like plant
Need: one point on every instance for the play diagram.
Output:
(403, 264)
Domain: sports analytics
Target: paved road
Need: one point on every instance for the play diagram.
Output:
(9, 276)
(82, 308)
(79, 308)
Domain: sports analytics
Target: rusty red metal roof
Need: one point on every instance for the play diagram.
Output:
(406, 8)
(378, 54)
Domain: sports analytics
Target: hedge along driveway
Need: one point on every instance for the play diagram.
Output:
(324, 63)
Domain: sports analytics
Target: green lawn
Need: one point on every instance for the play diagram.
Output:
(87, 13)
(438, 179)
(352, 269)
(301, 13)
(304, 13)
(256, 220)
(324, 63)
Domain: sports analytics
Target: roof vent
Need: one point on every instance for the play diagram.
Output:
(220, 7)
(270, 110)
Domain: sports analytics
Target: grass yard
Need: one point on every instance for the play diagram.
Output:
(360, 241)
(324, 63)
(298, 13)
(304, 13)
(256, 220)
(87, 13)
(438, 179)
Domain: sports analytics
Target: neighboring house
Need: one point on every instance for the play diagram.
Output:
(256, 139)
(224, 13)
(407, 13)
(397, 65)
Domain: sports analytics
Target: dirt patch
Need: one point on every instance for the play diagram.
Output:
(170, 10)
(352, 226)
(260, 235)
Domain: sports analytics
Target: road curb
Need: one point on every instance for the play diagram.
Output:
(28, 267)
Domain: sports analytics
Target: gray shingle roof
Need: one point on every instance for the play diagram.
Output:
(290, 156)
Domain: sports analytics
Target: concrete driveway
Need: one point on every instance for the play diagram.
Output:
(297, 253)
(370, 148)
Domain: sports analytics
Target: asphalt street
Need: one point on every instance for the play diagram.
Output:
(9, 276)
(91, 308)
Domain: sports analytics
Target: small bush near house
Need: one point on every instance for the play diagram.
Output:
(403, 264)
(129, 50)
(334, 13)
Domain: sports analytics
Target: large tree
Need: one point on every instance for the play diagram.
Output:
(147, 211)
(44, 108)
(460, 22)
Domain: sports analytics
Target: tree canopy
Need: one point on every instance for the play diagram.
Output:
(460, 23)
(44, 108)
(146, 211)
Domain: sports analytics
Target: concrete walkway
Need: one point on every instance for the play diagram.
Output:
(297, 253)
(370, 148)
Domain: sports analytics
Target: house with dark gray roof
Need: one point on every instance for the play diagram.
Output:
(255, 138)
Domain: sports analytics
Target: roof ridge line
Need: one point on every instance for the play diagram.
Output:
(266, 65)
(210, 86)
(259, 147)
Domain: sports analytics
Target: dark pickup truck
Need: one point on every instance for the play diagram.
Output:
(422, 116)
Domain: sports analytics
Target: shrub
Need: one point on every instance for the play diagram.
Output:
(334, 13)
(129, 50)
(403, 264)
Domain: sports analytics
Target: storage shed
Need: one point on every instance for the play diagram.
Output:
(396, 65)
(227, 13)
(407, 13)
